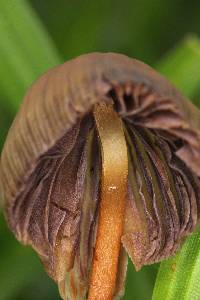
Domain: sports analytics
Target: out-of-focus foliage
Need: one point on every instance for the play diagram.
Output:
(36, 35)
(182, 65)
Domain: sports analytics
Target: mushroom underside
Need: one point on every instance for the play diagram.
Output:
(57, 212)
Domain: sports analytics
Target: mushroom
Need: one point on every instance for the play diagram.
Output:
(101, 161)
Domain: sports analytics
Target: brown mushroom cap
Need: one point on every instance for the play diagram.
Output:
(66, 93)
(50, 167)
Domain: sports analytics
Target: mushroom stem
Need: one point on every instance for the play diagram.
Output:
(112, 204)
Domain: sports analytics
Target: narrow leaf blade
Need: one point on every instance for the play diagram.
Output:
(178, 277)
(26, 50)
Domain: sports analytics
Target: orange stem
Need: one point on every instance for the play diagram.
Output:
(112, 205)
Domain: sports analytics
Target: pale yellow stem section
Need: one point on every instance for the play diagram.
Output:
(112, 204)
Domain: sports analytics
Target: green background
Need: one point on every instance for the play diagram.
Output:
(38, 34)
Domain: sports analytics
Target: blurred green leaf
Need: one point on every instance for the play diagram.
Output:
(182, 66)
(26, 50)
(178, 277)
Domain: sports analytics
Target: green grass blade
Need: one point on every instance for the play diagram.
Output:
(178, 277)
(26, 50)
